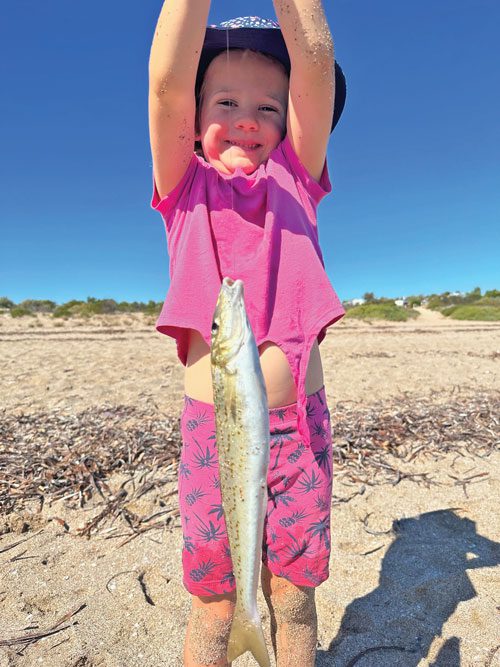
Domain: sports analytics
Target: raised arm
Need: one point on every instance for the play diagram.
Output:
(173, 63)
(312, 79)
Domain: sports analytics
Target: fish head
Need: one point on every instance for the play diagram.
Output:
(230, 326)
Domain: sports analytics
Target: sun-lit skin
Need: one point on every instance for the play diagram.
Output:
(244, 99)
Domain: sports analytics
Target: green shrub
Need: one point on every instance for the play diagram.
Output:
(438, 301)
(70, 308)
(5, 302)
(414, 301)
(38, 305)
(19, 311)
(381, 311)
(489, 301)
(105, 306)
(472, 312)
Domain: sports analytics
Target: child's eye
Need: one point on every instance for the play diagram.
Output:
(230, 102)
(270, 108)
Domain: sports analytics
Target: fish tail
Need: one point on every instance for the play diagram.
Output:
(246, 635)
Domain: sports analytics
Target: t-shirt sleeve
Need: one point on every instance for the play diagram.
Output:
(167, 205)
(316, 189)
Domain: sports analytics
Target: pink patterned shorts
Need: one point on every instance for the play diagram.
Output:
(296, 542)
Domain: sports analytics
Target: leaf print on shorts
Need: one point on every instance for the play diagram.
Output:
(228, 578)
(210, 532)
(280, 413)
(218, 510)
(321, 503)
(204, 459)
(188, 544)
(319, 430)
(297, 549)
(278, 437)
(309, 574)
(321, 528)
(309, 482)
(323, 456)
(310, 410)
(184, 470)
(215, 482)
(279, 497)
(272, 556)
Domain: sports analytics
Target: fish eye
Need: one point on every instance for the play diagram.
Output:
(215, 326)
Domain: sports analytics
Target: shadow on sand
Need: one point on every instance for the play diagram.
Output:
(422, 580)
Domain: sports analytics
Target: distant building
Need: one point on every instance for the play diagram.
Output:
(354, 302)
(401, 302)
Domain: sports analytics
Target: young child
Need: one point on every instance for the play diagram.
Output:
(257, 103)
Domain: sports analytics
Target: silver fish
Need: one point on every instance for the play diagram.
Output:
(242, 431)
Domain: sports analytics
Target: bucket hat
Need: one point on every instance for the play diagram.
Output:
(253, 32)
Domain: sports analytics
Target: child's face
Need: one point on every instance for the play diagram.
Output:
(243, 101)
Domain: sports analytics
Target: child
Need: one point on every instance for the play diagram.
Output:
(261, 103)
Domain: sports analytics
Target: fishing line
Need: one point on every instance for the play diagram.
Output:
(227, 78)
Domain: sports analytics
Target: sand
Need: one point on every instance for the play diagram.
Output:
(414, 576)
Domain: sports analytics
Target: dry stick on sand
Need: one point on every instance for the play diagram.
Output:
(50, 456)
(35, 636)
(14, 544)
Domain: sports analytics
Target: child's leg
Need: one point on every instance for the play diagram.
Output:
(206, 561)
(208, 631)
(297, 533)
(294, 624)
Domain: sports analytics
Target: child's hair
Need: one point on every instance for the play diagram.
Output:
(200, 91)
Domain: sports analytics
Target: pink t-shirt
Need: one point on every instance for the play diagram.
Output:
(260, 228)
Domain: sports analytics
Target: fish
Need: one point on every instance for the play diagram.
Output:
(243, 443)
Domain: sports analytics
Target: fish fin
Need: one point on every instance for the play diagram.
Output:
(246, 635)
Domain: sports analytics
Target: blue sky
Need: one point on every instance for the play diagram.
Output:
(414, 161)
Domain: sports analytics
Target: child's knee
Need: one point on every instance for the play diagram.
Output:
(209, 628)
(296, 606)
(290, 604)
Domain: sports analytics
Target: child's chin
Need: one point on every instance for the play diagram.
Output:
(246, 163)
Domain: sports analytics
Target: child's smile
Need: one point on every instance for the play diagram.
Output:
(243, 111)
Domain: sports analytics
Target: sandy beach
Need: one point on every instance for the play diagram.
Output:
(414, 577)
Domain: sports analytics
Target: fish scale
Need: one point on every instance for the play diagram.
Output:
(243, 444)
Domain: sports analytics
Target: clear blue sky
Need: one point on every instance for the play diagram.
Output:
(414, 161)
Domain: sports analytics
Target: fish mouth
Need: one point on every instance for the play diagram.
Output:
(236, 287)
(230, 307)
(234, 290)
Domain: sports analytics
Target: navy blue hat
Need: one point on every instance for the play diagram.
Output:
(252, 32)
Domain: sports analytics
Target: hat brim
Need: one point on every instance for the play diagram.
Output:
(267, 40)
